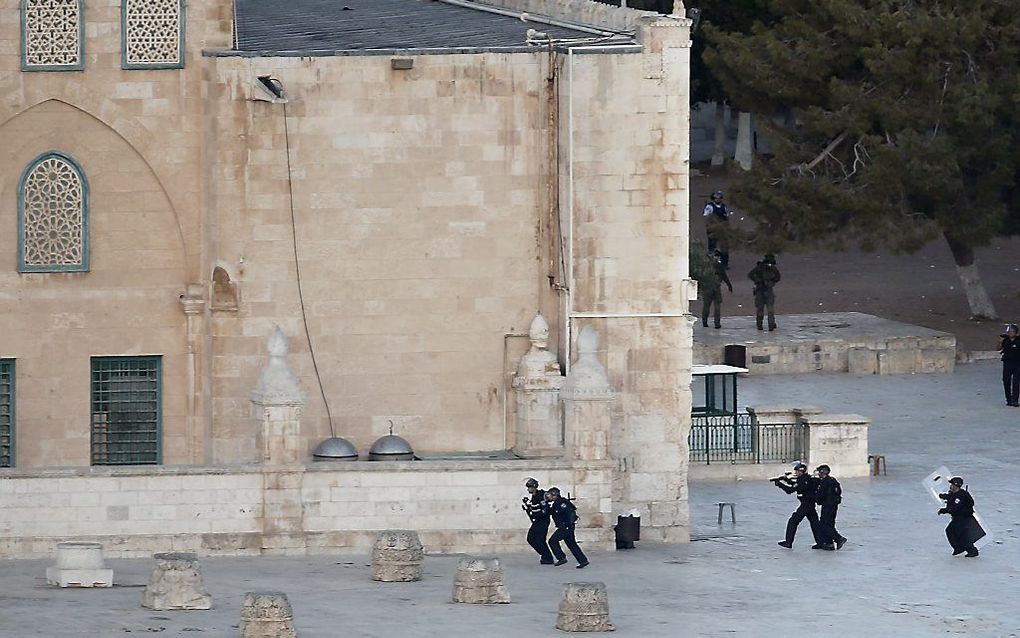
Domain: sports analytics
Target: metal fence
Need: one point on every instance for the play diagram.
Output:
(741, 439)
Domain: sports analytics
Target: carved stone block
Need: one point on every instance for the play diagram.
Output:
(79, 565)
(397, 556)
(585, 607)
(266, 614)
(176, 583)
(479, 581)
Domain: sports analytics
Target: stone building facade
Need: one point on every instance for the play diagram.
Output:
(178, 182)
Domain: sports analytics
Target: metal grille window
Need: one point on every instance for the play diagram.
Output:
(6, 413)
(126, 411)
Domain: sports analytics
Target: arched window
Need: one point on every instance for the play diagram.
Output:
(52, 35)
(53, 215)
(153, 34)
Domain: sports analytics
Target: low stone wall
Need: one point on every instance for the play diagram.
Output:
(837, 440)
(831, 342)
(456, 506)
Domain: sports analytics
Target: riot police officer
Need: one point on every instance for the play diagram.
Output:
(564, 514)
(805, 486)
(765, 275)
(964, 530)
(534, 507)
(828, 496)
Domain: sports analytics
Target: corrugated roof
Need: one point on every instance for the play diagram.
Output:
(363, 25)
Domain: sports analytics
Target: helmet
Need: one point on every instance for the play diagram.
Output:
(823, 468)
(770, 259)
(717, 195)
(555, 491)
(1011, 326)
(957, 481)
(531, 483)
(800, 466)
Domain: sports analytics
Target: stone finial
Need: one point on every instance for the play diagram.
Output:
(584, 607)
(277, 384)
(479, 581)
(587, 378)
(266, 614)
(538, 362)
(176, 583)
(397, 556)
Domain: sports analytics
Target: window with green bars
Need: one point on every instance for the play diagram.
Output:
(126, 410)
(6, 412)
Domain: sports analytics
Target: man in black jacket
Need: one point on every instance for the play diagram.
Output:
(534, 506)
(964, 530)
(1010, 350)
(805, 487)
(564, 514)
(829, 496)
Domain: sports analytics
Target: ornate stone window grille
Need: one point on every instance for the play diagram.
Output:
(53, 216)
(152, 34)
(52, 35)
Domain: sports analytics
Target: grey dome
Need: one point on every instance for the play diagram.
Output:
(335, 449)
(391, 448)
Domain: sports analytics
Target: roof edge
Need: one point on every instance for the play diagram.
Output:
(572, 13)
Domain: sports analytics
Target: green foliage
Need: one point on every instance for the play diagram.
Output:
(893, 121)
(725, 16)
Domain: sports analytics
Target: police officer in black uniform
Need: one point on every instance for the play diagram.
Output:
(1010, 350)
(717, 218)
(806, 488)
(829, 496)
(534, 507)
(564, 514)
(964, 530)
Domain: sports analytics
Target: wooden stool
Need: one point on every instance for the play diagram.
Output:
(877, 462)
(733, 513)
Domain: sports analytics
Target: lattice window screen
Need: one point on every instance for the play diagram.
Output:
(153, 34)
(53, 216)
(52, 35)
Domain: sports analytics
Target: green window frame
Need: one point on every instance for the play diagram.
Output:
(7, 393)
(69, 191)
(33, 60)
(127, 410)
(144, 29)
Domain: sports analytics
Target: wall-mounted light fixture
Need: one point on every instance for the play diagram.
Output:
(269, 89)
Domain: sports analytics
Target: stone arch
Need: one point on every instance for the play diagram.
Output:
(224, 291)
(145, 143)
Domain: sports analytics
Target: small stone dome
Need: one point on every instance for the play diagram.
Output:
(391, 448)
(335, 449)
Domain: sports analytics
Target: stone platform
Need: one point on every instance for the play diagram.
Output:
(830, 342)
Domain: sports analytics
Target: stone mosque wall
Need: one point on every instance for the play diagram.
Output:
(432, 210)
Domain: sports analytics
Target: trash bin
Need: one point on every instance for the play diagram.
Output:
(735, 355)
(628, 530)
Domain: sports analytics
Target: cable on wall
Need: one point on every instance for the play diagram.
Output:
(297, 268)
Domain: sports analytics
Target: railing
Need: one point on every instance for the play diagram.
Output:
(741, 439)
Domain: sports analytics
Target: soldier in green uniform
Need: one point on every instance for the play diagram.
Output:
(708, 270)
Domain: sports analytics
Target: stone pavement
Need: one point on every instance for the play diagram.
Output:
(895, 577)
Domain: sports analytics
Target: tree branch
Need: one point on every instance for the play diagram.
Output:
(827, 151)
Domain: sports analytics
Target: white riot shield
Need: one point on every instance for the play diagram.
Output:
(938, 483)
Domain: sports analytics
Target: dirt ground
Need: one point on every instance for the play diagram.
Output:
(921, 289)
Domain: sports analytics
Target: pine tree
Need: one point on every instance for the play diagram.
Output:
(901, 124)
